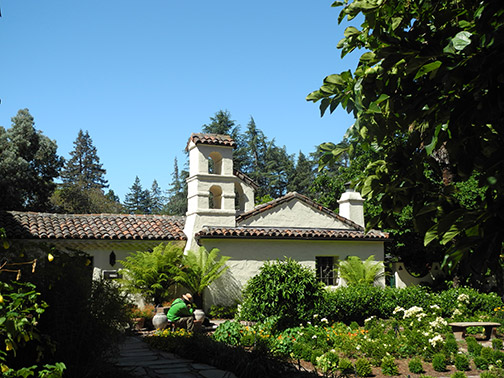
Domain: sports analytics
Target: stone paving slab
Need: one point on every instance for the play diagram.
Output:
(146, 362)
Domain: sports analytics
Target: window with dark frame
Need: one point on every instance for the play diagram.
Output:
(325, 268)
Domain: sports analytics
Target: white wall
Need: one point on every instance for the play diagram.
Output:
(293, 214)
(247, 257)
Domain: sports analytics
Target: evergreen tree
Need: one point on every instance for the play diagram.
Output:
(177, 193)
(302, 176)
(222, 124)
(84, 168)
(157, 199)
(137, 201)
(28, 165)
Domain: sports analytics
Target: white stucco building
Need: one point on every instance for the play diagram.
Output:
(221, 214)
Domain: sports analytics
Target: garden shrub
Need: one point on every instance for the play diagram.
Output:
(462, 362)
(345, 366)
(481, 363)
(223, 312)
(439, 362)
(488, 354)
(328, 362)
(498, 358)
(351, 303)
(451, 346)
(415, 366)
(285, 289)
(497, 343)
(389, 366)
(229, 332)
(458, 374)
(363, 368)
(473, 347)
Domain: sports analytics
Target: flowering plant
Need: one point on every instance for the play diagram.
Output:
(146, 312)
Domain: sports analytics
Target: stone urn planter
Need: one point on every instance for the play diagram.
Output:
(160, 321)
(199, 314)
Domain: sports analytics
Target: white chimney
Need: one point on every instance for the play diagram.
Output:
(351, 206)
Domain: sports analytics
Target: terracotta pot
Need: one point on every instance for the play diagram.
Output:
(138, 323)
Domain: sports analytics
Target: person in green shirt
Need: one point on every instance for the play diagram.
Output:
(181, 312)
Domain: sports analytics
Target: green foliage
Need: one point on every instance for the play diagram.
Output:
(74, 199)
(137, 200)
(462, 362)
(199, 270)
(363, 368)
(177, 192)
(481, 363)
(28, 166)
(345, 366)
(439, 362)
(352, 303)
(20, 311)
(424, 94)
(389, 366)
(497, 344)
(458, 374)
(473, 347)
(285, 289)
(415, 366)
(84, 168)
(328, 362)
(152, 274)
(229, 332)
(223, 312)
(357, 272)
(450, 346)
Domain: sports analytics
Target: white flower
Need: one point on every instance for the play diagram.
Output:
(412, 311)
(438, 339)
(370, 318)
(309, 323)
(438, 322)
(324, 320)
(464, 298)
(397, 309)
(314, 336)
(435, 307)
(456, 312)
(315, 316)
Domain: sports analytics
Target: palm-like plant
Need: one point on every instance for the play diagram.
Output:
(199, 270)
(355, 271)
(153, 274)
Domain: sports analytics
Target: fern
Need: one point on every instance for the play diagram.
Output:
(355, 271)
(200, 270)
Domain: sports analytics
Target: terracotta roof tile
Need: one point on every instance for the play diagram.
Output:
(215, 139)
(289, 233)
(288, 197)
(29, 225)
(242, 176)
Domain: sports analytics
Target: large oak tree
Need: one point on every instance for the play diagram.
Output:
(428, 94)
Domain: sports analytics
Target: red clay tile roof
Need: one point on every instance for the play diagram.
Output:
(242, 176)
(29, 225)
(289, 233)
(215, 139)
(288, 197)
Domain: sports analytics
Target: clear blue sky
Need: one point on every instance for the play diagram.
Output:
(140, 76)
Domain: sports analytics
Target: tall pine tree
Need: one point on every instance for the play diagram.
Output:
(177, 193)
(84, 168)
(137, 201)
(28, 165)
(221, 123)
(156, 198)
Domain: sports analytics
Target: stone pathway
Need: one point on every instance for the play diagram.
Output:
(135, 355)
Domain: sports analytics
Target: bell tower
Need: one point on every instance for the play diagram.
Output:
(210, 185)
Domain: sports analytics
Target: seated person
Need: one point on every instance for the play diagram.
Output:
(181, 312)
